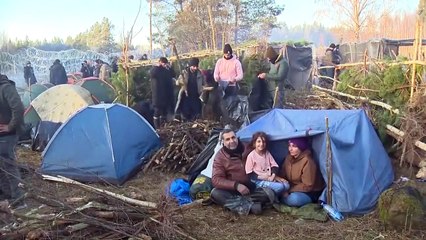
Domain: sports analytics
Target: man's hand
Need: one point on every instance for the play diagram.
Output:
(232, 80)
(242, 189)
(262, 75)
(4, 128)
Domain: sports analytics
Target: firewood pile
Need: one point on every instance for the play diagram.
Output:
(182, 142)
(103, 215)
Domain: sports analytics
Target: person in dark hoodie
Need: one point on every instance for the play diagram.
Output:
(29, 76)
(57, 73)
(11, 122)
(277, 74)
(162, 76)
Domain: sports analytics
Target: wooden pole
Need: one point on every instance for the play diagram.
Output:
(415, 58)
(329, 164)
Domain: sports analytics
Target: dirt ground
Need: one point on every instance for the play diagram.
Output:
(213, 222)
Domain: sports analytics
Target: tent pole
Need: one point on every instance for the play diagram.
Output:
(329, 164)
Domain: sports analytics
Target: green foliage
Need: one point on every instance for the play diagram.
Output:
(300, 43)
(208, 62)
(139, 85)
(142, 90)
(119, 82)
(389, 85)
(252, 66)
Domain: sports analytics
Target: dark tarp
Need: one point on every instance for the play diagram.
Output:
(375, 49)
(300, 63)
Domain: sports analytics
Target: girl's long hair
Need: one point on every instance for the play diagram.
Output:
(257, 135)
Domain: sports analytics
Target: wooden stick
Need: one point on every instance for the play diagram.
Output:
(374, 102)
(93, 189)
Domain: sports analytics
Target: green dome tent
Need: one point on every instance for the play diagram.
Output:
(101, 91)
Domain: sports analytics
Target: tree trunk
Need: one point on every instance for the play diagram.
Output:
(237, 9)
(209, 9)
(150, 29)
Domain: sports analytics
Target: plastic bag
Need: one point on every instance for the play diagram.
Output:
(239, 204)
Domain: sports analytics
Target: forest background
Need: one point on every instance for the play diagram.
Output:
(208, 24)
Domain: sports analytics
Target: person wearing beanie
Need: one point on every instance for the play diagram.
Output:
(162, 76)
(227, 73)
(328, 60)
(302, 172)
(191, 83)
(277, 74)
(228, 70)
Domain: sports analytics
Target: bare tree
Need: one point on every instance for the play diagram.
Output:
(355, 13)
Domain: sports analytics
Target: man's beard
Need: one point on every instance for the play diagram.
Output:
(235, 152)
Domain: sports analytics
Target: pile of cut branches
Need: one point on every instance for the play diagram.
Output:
(105, 215)
(183, 141)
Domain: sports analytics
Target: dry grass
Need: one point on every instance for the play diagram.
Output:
(213, 222)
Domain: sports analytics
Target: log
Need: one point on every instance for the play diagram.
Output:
(76, 227)
(398, 135)
(97, 190)
(374, 102)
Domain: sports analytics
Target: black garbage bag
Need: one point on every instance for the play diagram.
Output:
(203, 158)
(239, 204)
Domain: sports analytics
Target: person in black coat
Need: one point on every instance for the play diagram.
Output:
(57, 73)
(29, 74)
(162, 77)
(260, 96)
(85, 71)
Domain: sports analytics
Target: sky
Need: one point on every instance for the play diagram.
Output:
(45, 19)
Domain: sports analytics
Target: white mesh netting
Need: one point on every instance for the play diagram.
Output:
(12, 65)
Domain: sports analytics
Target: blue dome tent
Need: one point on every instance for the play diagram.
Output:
(104, 142)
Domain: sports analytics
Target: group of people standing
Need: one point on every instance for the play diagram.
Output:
(58, 75)
(99, 69)
(240, 170)
(195, 88)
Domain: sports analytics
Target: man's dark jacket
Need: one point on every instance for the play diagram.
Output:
(11, 107)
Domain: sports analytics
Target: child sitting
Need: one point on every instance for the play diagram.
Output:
(261, 166)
